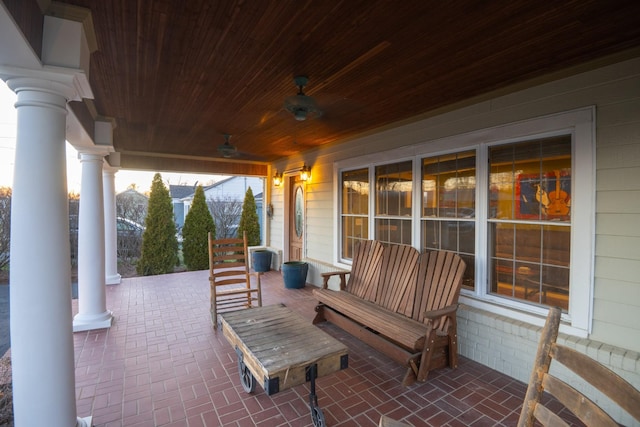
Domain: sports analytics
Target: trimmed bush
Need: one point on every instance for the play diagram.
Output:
(159, 242)
(197, 225)
(249, 220)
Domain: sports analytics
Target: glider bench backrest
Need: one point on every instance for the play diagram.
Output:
(400, 302)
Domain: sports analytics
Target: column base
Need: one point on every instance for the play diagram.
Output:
(113, 280)
(89, 322)
(84, 422)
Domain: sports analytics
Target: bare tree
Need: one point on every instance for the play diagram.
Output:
(5, 225)
(132, 205)
(74, 208)
(226, 214)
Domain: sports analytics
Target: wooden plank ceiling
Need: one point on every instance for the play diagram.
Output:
(177, 75)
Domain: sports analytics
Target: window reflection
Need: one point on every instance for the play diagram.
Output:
(448, 207)
(530, 212)
(355, 209)
(394, 194)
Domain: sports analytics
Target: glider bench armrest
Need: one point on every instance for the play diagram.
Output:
(329, 275)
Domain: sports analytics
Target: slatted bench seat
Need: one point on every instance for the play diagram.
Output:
(400, 302)
(393, 326)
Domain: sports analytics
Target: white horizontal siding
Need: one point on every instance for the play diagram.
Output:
(617, 224)
(618, 179)
(622, 247)
(617, 266)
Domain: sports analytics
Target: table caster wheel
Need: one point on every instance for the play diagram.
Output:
(246, 379)
(318, 417)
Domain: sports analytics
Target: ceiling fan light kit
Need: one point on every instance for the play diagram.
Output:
(300, 105)
(227, 150)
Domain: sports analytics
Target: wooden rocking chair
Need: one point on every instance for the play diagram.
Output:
(588, 369)
(230, 278)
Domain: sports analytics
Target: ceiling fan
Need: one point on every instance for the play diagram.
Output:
(300, 105)
(227, 150)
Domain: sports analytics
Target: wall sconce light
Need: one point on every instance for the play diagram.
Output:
(277, 179)
(305, 173)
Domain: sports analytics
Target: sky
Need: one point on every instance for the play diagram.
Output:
(124, 178)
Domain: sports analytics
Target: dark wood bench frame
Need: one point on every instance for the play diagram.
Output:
(400, 302)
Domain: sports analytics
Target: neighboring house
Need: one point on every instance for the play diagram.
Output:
(233, 188)
(178, 194)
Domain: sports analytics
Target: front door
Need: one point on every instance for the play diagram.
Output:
(296, 218)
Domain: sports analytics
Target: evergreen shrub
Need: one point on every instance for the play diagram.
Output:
(249, 222)
(197, 225)
(159, 242)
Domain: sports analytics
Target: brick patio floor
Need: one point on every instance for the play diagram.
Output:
(162, 364)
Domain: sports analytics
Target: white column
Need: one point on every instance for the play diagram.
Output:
(110, 232)
(92, 305)
(41, 336)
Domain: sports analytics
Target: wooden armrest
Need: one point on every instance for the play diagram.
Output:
(236, 291)
(327, 276)
(434, 314)
(257, 275)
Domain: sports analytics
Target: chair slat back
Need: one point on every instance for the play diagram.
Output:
(228, 263)
(439, 283)
(591, 371)
(396, 286)
(365, 269)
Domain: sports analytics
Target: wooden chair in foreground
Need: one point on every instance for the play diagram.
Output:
(230, 278)
(597, 375)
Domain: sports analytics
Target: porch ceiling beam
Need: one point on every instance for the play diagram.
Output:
(181, 163)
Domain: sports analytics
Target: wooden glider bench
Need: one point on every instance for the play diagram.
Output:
(400, 302)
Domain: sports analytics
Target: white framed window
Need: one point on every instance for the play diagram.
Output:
(517, 202)
(393, 202)
(354, 209)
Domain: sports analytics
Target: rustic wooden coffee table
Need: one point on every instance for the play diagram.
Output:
(281, 349)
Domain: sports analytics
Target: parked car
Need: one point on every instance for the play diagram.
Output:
(129, 238)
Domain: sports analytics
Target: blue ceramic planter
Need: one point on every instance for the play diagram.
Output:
(295, 274)
(261, 260)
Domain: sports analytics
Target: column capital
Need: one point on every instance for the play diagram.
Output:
(93, 153)
(71, 83)
(109, 170)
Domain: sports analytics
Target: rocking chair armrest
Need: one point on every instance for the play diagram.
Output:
(257, 276)
(434, 314)
(327, 276)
